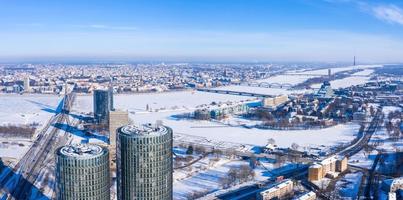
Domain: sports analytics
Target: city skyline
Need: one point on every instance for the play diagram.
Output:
(237, 31)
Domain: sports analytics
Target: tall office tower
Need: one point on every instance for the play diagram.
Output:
(102, 105)
(110, 90)
(117, 118)
(144, 162)
(82, 172)
(27, 87)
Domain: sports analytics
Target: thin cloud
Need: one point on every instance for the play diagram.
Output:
(391, 14)
(387, 13)
(106, 27)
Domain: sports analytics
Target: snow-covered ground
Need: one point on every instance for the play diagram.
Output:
(13, 149)
(204, 177)
(380, 137)
(163, 102)
(178, 102)
(388, 109)
(22, 110)
(349, 185)
(26, 109)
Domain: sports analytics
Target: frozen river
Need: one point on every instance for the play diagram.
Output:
(24, 109)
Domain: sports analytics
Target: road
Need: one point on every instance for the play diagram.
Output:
(370, 130)
(249, 192)
(22, 178)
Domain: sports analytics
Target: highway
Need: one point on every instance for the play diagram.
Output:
(22, 179)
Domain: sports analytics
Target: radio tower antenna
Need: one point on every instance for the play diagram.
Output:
(354, 60)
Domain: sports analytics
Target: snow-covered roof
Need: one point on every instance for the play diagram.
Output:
(328, 160)
(144, 130)
(316, 166)
(81, 150)
(307, 195)
(277, 187)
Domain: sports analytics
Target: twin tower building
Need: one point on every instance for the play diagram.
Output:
(144, 166)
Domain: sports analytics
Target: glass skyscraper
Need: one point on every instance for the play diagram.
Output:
(144, 162)
(82, 172)
(103, 103)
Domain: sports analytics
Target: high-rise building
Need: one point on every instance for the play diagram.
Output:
(102, 105)
(110, 90)
(27, 86)
(144, 162)
(117, 118)
(82, 172)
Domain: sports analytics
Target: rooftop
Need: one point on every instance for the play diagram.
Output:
(81, 150)
(144, 130)
(277, 186)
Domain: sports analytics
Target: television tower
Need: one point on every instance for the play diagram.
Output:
(354, 60)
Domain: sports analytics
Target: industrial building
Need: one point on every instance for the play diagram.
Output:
(144, 162)
(279, 191)
(103, 104)
(82, 172)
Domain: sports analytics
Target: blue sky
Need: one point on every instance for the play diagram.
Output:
(202, 30)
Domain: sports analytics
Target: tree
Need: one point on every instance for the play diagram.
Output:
(200, 149)
(271, 141)
(294, 146)
(245, 173)
(372, 111)
(252, 162)
(189, 150)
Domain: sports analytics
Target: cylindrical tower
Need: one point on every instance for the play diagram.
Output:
(82, 172)
(144, 162)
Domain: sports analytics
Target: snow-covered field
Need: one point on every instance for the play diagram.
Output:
(204, 177)
(26, 109)
(163, 102)
(173, 103)
(13, 148)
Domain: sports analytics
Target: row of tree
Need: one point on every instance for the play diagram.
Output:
(237, 175)
(17, 131)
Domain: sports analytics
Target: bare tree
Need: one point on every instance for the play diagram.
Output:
(271, 141)
(294, 146)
